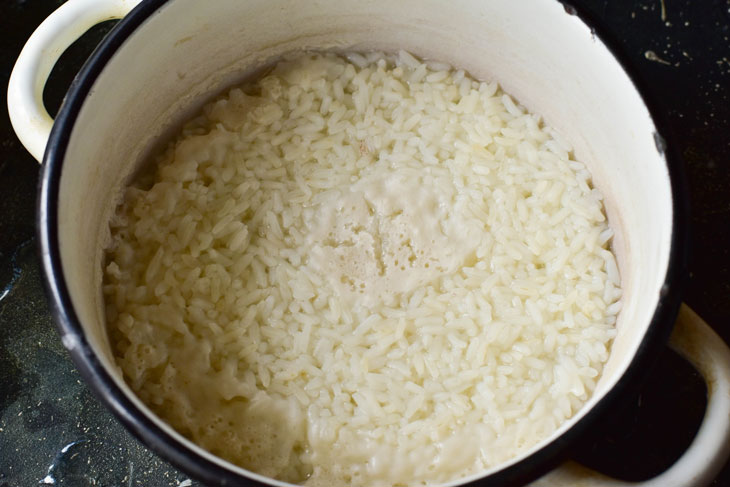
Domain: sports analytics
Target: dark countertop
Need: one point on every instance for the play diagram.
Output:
(54, 432)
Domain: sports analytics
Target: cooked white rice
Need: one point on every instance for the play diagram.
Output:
(363, 271)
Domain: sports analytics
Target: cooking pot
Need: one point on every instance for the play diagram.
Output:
(168, 57)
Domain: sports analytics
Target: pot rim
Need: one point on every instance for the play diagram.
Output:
(197, 466)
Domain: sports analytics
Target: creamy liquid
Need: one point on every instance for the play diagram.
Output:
(388, 235)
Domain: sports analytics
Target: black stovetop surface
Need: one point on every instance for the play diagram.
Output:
(54, 432)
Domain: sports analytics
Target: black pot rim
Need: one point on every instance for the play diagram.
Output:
(202, 468)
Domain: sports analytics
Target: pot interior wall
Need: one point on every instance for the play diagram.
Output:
(189, 51)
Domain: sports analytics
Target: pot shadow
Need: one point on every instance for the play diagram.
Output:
(654, 426)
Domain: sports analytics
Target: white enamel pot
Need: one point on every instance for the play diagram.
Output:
(167, 57)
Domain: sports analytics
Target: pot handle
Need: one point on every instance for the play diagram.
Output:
(693, 339)
(29, 117)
